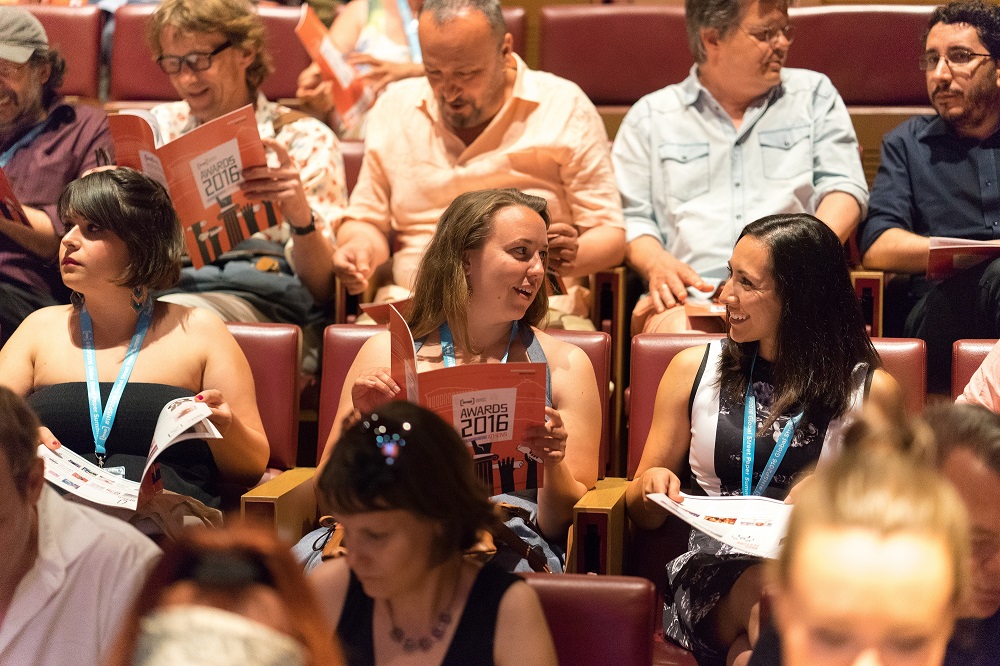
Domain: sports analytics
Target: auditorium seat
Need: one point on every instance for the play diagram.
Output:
(136, 78)
(273, 353)
(870, 53)
(353, 152)
(966, 357)
(598, 620)
(76, 33)
(517, 26)
(342, 342)
(615, 53)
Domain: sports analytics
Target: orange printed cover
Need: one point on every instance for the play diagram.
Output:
(491, 405)
(202, 170)
(950, 255)
(10, 207)
(350, 95)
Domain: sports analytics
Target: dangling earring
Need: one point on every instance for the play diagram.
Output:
(76, 298)
(139, 297)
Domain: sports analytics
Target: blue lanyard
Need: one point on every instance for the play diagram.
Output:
(410, 28)
(448, 344)
(101, 425)
(750, 442)
(21, 143)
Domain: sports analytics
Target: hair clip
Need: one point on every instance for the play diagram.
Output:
(389, 443)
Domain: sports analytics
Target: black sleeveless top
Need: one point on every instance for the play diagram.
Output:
(187, 468)
(472, 644)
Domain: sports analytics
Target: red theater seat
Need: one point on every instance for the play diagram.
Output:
(353, 152)
(76, 33)
(342, 342)
(598, 620)
(966, 357)
(516, 22)
(273, 353)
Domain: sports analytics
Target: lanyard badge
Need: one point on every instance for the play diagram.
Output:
(750, 442)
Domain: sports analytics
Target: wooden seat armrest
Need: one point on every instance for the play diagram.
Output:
(597, 535)
(288, 502)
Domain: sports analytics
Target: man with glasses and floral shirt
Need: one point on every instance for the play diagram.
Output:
(214, 53)
(742, 137)
(938, 177)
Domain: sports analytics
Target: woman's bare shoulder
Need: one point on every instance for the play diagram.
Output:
(330, 581)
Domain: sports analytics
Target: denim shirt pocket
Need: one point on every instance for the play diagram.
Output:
(685, 169)
(786, 153)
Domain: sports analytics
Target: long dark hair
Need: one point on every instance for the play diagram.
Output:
(821, 332)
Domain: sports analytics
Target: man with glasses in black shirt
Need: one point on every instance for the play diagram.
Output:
(939, 177)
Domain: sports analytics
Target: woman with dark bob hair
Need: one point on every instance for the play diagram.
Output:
(401, 483)
(99, 371)
(232, 596)
(481, 283)
(753, 411)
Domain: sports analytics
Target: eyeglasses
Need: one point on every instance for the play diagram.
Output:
(196, 62)
(770, 35)
(955, 58)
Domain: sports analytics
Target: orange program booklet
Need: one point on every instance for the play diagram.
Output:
(202, 170)
(950, 255)
(351, 97)
(491, 405)
(10, 207)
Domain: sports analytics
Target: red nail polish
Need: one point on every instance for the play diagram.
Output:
(199, 397)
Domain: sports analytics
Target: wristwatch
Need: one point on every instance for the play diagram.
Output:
(306, 230)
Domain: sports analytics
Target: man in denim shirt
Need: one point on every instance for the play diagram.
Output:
(739, 139)
(938, 177)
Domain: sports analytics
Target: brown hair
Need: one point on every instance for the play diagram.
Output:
(427, 471)
(254, 548)
(18, 437)
(237, 20)
(136, 209)
(440, 291)
(971, 427)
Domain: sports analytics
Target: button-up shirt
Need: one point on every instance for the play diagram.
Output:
(933, 182)
(692, 180)
(547, 140)
(38, 171)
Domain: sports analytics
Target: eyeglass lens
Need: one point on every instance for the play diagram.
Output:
(196, 62)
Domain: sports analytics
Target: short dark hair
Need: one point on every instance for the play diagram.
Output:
(428, 471)
(966, 426)
(821, 332)
(440, 291)
(983, 16)
(723, 15)
(57, 70)
(18, 437)
(445, 10)
(138, 210)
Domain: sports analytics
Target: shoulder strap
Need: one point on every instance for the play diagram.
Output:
(288, 117)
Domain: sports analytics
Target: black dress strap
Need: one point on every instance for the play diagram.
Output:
(354, 630)
(472, 644)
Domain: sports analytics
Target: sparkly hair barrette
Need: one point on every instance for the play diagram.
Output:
(389, 443)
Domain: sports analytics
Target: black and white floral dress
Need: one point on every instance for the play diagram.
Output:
(701, 577)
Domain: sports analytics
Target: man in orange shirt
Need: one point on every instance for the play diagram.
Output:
(479, 119)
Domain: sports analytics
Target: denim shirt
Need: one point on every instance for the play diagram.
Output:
(692, 180)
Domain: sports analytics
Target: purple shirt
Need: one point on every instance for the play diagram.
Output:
(38, 172)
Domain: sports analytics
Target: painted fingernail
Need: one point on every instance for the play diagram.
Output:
(199, 397)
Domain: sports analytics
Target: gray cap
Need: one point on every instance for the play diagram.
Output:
(21, 34)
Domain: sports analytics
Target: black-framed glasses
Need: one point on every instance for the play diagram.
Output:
(196, 62)
(954, 57)
(770, 35)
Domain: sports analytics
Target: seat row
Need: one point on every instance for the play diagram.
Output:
(601, 540)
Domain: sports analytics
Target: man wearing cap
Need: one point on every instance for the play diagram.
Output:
(44, 144)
